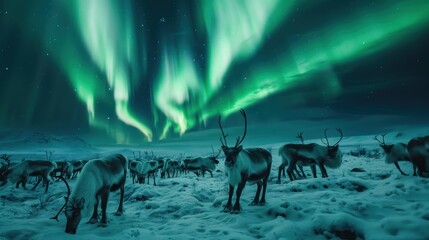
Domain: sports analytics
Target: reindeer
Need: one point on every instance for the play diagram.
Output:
(20, 173)
(149, 168)
(171, 165)
(61, 168)
(395, 153)
(242, 165)
(311, 154)
(99, 177)
(300, 165)
(202, 164)
(418, 150)
(135, 167)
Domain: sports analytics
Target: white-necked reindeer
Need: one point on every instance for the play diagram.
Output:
(149, 168)
(418, 150)
(135, 167)
(20, 173)
(311, 154)
(98, 178)
(395, 153)
(242, 165)
(172, 166)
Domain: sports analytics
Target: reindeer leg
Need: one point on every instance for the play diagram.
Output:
(414, 170)
(258, 192)
(323, 170)
(104, 198)
(120, 210)
(94, 217)
(290, 170)
(264, 187)
(38, 181)
(228, 206)
(397, 166)
(313, 170)
(281, 167)
(211, 173)
(46, 180)
(302, 171)
(236, 209)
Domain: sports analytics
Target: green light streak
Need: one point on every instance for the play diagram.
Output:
(356, 37)
(177, 87)
(109, 39)
(237, 29)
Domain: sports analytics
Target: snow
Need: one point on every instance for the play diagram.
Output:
(376, 203)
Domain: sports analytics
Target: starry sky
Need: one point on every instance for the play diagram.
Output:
(140, 70)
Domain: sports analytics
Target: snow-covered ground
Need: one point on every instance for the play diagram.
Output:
(376, 203)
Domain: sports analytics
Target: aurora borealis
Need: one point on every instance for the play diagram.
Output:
(139, 70)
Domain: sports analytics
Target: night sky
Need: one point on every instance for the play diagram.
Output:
(137, 71)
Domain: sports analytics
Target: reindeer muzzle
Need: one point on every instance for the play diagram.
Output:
(71, 228)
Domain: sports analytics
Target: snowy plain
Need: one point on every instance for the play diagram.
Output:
(374, 202)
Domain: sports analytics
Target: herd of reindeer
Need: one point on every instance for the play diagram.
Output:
(98, 177)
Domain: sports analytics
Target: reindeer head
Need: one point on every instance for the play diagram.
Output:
(333, 150)
(74, 214)
(214, 157)
(231, 153)
(387, 148)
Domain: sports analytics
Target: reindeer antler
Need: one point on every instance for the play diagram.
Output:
(49, 154)
(341, 137)
(239, 141)
(223, 134)
(327, 141)
(301, 137)
(67, 198)
(378, 140)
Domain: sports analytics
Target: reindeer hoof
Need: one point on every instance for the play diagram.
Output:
(119, 213)
(254, 203)
(226, 209)
(103, 225)
(235, 211)
(92, 221)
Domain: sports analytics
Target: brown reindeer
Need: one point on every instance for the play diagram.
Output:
(20, 173)
(311, 154)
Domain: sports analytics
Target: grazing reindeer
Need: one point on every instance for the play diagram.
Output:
(300, 164)
(394, 153)
(202, 164)
(418, 150)
(61, 168)
(242, 165)
(311, 154)
(20, 173)
(76, 168)
(99, 177)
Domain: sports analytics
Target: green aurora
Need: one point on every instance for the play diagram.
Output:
(214, 58)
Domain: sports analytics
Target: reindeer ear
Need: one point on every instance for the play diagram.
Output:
(239, 148)
(224, 148)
